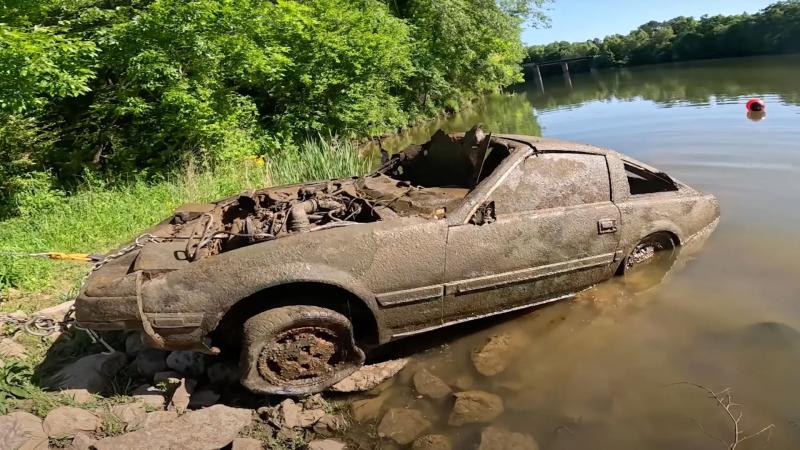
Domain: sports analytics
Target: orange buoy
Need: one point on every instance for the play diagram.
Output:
(755, 105)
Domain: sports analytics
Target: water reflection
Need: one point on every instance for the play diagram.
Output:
(599, 372)
(695, 83)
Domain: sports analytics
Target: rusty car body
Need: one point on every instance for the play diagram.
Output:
(302, 278)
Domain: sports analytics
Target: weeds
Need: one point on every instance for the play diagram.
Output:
(15, 383)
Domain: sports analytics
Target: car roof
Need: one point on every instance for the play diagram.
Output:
(551, 145)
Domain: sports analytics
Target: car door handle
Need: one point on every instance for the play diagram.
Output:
(605, 226)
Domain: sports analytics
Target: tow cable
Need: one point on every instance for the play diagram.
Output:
(42, 326)
(85, 257)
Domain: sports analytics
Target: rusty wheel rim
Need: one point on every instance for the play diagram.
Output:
(300, 357)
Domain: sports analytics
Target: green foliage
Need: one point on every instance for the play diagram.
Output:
(776, 29)
(15, 382)
(40, 64)
(141, 86)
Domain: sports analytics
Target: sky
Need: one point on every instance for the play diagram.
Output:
(579, 20)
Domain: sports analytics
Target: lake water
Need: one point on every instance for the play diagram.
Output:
(600, 372)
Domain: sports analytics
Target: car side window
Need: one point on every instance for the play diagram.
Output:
(641, 181)
(552, 180)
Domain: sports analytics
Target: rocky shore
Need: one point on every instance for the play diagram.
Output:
(188, 400)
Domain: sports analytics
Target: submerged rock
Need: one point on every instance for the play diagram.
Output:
(475, 407)
(368, 409)
(430, 385)
(66, 421)
(495, 355)
(205, 429)
(496, 438)
(21, 430)
(432, 442)
(403, 425)
(369, 377)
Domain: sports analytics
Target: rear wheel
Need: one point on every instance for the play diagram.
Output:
(297, 350)
(657, 244)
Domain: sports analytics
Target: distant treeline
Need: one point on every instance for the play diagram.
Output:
(775, 29)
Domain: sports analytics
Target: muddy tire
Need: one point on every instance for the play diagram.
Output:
(297, 350)
(645, 251)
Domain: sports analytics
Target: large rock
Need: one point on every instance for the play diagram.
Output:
(79, 395)
(246, 444)
(132, 415)
(289, 415)
(369, 377)
(66, 421)
(93, 372)
(205, 429)
(403, 425)
(188, 363)
(496, 438)
(150, 361)
(475, 407)
(329, 424)
(82, 441)
(158, 417)
(150, 396)
(326, 444)
(430, 385)
(55, 312)
(496, 354)
(10, 348)
(432, 442)
(23, 431)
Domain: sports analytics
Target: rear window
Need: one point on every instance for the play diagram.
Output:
(552, 180)
(642, 181)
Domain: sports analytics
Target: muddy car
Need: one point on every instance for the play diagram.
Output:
(302, 279)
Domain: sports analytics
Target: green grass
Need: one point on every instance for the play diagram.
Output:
(101, 215)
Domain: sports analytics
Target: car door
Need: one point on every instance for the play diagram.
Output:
(554, 233)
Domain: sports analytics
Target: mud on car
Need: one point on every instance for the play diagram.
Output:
(301, 279)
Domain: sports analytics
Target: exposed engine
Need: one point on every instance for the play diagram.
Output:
(257, 216)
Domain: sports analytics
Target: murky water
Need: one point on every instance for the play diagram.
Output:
(600, 372)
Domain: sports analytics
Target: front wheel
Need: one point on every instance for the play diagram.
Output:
(297, 350)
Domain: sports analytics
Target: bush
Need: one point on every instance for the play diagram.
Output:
(140, 86)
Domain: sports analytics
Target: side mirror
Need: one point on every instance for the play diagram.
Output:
(484, 214)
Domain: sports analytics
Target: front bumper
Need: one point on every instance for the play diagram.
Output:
(109, 300)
